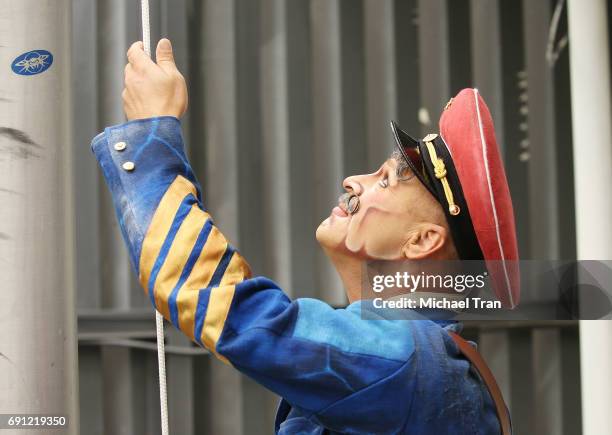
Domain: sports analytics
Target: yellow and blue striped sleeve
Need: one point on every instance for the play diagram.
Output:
(309, 353)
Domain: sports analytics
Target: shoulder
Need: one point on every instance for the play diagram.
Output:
(353, 329)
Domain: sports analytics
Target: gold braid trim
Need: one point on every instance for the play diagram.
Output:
(440, 173)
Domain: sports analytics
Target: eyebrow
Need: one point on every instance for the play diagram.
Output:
(400, 163)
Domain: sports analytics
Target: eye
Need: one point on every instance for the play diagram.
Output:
(384, 183)
(404, 174)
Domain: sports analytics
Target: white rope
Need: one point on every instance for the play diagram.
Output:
(159, 320)
(161, 361)
(553, 52)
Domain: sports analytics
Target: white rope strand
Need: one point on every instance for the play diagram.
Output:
(146, 26)
(161, 361)
(159, 320)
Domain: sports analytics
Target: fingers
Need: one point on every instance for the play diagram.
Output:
(137, 57)
(130, 75)
(164, 55)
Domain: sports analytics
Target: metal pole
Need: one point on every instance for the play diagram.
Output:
(38, 353)
(590, 86)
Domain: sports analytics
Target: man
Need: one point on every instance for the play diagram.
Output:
(336, 371)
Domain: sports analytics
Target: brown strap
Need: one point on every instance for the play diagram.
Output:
(487, 376)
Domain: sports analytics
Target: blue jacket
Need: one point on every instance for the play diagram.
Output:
(351, 371)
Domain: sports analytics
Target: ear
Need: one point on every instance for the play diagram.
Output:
(425, 241)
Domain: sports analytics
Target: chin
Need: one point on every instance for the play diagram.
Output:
(328, 236)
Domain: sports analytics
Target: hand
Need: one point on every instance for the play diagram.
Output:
(153, 89)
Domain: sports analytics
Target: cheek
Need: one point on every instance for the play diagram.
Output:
(377, 232)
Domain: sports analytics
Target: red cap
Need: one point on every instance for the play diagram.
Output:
(467, 129)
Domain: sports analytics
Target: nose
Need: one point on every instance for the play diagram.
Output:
(352, 184)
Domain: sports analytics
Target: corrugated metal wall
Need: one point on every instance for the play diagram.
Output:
(287, 97)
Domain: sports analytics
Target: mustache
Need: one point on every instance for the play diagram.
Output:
(351, 202)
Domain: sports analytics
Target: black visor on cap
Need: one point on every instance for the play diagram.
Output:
(460, 225)
(409, 147)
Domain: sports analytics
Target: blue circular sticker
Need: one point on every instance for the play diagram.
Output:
(32, 62)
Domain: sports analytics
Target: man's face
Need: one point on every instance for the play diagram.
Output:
(392, 205)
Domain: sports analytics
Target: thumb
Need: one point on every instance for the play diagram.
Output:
(164, 55)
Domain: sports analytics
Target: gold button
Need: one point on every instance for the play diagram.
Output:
(120, 146)
(430, 137)
(128, 166)
(454, 210)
